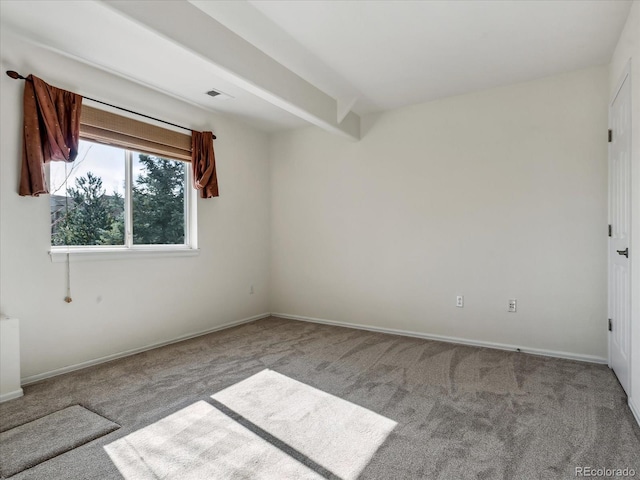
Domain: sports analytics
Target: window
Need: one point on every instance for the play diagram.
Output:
(112, 198)
(128, 191)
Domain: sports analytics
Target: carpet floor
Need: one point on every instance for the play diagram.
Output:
(411, 408)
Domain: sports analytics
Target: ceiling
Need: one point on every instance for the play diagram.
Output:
(401, 53)
(283, 64)
(106, 39)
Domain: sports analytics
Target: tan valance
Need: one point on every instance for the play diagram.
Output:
(113, 129)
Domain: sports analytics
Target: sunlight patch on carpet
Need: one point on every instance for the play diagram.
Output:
(333, 432)
(268, 426)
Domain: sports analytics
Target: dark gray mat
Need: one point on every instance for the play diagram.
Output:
(37, 441)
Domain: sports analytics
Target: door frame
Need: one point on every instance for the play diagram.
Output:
(625, 75)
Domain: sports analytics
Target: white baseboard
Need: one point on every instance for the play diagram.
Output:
(70, 368)
(635, 410)
(442, 338)
(5, 397)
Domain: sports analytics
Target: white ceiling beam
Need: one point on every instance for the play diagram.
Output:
(238, 61)
(244, 19)
(344, 107)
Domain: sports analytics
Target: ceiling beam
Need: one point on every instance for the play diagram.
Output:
(345, 106)
(238, 61)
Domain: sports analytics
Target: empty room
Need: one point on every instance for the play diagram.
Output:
(319, 239)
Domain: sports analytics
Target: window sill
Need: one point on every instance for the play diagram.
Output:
(97, 254)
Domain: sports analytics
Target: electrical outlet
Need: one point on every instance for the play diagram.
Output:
(459, 301)
(251, 290)
(513, 305)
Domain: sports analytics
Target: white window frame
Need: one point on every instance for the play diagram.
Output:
(129, 249)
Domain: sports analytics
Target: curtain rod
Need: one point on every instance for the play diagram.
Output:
(16, 76)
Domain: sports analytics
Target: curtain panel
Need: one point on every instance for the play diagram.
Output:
(51, 119)
(204, 164)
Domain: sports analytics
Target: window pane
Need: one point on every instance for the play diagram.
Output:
(88, 208)
(158, 200)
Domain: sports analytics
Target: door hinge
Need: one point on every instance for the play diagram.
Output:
(610, 135)
(610, 326)
(609, 230)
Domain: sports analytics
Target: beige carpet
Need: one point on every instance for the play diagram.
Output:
(460, 412)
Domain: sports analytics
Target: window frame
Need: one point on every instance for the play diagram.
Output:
(62, 253)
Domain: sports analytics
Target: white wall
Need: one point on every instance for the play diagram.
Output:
(126, 304)
(9, 358)
(629, 48)
(493, 195)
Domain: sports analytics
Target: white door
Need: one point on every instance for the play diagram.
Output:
(619, 221)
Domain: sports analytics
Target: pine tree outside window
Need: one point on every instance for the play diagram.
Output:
(113, 200)
(129, 191)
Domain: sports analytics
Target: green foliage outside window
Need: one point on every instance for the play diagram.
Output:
(88, 216)
(158, 202)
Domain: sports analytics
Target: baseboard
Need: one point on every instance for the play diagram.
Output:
(5, 397)
(78, 366)
(442, 338)
(635, 410)
(70, 368)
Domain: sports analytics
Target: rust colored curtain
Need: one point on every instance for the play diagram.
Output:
(203, 161)
(51, 132)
